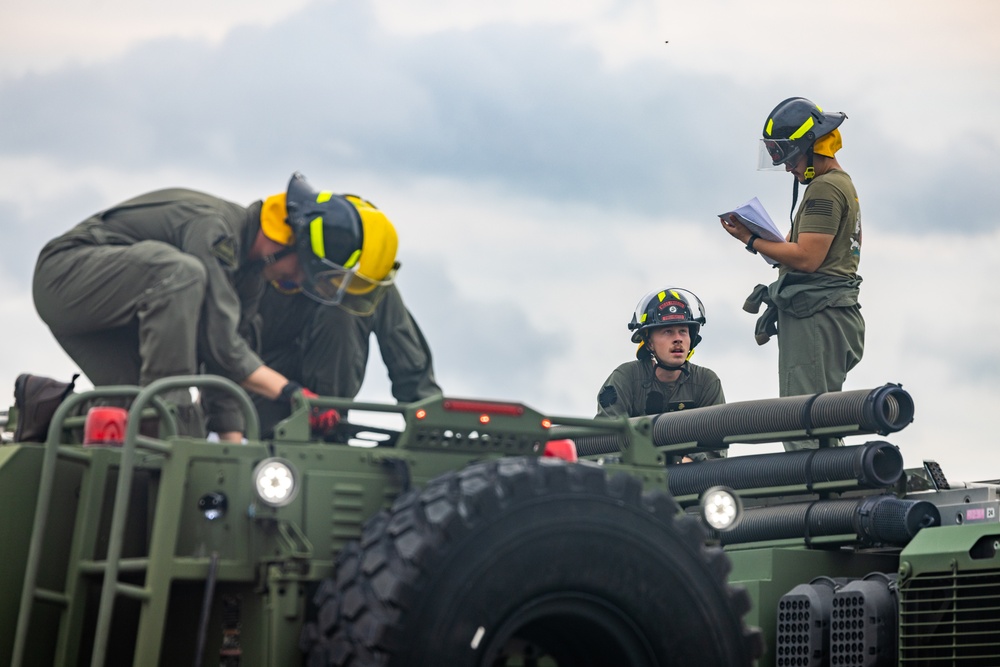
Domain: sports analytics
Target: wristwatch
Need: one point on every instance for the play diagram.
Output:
(750, 248)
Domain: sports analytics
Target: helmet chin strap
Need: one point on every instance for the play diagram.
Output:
(260, 263)
(683, 368)
(278, 256)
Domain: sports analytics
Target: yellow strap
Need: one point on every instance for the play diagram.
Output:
(805, 127)
(316, 236)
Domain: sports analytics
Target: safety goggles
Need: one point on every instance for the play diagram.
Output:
(352, 291)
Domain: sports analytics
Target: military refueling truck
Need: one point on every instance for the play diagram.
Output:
(485, 533)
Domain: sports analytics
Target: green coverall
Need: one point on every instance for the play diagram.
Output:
(633, 390)
(154, 287)
(326, 348)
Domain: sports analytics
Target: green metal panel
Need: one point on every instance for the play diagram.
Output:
(769, 573)
(214, 468)
(950, 596)
(941, 548)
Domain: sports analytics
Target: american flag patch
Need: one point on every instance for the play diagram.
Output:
(819, 207)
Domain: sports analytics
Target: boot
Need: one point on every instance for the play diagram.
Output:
(36, 399)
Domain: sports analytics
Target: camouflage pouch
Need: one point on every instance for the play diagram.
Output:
(36, 399)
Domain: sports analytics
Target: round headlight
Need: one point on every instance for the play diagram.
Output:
(721, 508)
(276, 482)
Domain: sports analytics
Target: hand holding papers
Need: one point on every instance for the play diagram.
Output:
(755, 217)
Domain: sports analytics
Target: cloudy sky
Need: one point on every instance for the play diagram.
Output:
(546, 163)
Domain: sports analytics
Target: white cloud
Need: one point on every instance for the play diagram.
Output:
(45, 35)
(546, 164)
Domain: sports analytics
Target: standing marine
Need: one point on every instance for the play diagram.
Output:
(813, 306)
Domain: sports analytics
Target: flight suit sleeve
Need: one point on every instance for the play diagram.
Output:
(404, 350)
(220, 345)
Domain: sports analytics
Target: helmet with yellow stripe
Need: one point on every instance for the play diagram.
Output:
(794, 126)
(346, 246)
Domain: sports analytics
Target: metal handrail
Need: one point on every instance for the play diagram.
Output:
(63, 419)
(29, 589)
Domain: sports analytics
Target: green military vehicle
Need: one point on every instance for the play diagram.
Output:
(485, 533)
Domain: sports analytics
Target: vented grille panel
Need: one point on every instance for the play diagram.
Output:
(862, 625)
(950, 619)
(798, 645)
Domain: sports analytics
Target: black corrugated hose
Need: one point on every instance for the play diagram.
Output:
(874, 520)
(882, 410)
(873, 465)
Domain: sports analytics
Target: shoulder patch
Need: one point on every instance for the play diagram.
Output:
(608, 396)
(224, 250)
(819, 207)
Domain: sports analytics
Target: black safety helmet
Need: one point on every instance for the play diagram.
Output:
(668, 307)
(793, 127)
(326, 226)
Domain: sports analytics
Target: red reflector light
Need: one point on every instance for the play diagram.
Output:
(105, 425)
(561, 449)
(421, 413)
(509, 409)
(546, 423)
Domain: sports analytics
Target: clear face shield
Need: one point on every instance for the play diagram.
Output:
(335, 285)
(774, 154)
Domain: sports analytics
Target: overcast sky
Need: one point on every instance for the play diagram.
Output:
(546, 162)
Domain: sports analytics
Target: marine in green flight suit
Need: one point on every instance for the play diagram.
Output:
(168, 283)
(667, 324)
(326, 348)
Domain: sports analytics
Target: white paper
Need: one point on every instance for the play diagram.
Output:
(755, 217)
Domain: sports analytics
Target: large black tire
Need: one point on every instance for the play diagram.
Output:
(526, 561)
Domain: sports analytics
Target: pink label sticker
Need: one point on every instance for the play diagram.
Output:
(975, 514)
